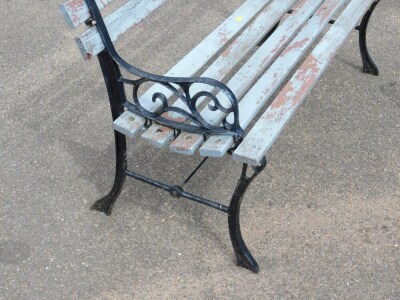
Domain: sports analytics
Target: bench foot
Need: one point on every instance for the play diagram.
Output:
(243, 255)
(106, 203)
(115, 89)
(369, 66)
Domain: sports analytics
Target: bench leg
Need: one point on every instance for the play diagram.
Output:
(106, 203)
(368, 64)
(243, 255)
(116, 95)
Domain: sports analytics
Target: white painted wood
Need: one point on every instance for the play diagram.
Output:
(263, 134)
(164, 135)
(203, 52)
(253, 68)
(159, 135)
(187, 144)
(117, 23)
(271, 80)
(76, 12)
(216, 146)
(126, 124)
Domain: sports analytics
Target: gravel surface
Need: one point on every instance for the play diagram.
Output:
(323, 220)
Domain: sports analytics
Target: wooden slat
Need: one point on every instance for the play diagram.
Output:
(267, 85)
(187, 143)
(76, 12)
(127, 16)
(126, 124)
(272, 122)
(158, 135)
(202, 53)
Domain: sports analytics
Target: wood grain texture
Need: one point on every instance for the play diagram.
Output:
(251, 70)
(76, 12)
(264, 133)
(272, 79)
(126, 124)
(232, 56)
(117, 23)
(204, 52)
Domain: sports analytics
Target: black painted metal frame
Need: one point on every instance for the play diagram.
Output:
(179, 86)
(111, 62)
(369, 66)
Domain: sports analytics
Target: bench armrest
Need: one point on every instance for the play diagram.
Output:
(187, 117)
(180, 87)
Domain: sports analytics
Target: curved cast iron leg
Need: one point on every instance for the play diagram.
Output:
(106, 203)
(368, 64)
(243, 255)
(116, 95)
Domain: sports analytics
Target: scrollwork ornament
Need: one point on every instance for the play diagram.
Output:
(179, 86)
(192, 114)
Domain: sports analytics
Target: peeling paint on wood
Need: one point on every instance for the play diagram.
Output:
(76, 12)
(185, 144)
(254, 67)
(268, 127)
(117, 23)
(127, 125)
(268, 84)
(266, 130)
(206, 50)
(231, 57)
(156, 135)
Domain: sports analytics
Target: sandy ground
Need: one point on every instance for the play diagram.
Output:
(323, 220)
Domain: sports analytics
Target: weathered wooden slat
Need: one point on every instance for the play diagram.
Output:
(158, 135)
(272, 122)
(187, 143)
(127, 16)
(126, 124)
(76, 12)
(203, 52)
(267, 85)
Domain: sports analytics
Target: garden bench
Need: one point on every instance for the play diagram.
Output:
(217, 100)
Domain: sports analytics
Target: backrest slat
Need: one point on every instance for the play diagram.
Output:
(76, 12)
(117, 23)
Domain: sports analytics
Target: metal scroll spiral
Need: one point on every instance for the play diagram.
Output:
(182, 92)
(197, 123)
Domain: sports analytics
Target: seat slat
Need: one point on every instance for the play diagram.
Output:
(201, 54)
(127, 124)
(267, 85)
(127, 16)
(76, 12)
(188, 143)
(272, 122)
(159, 135)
